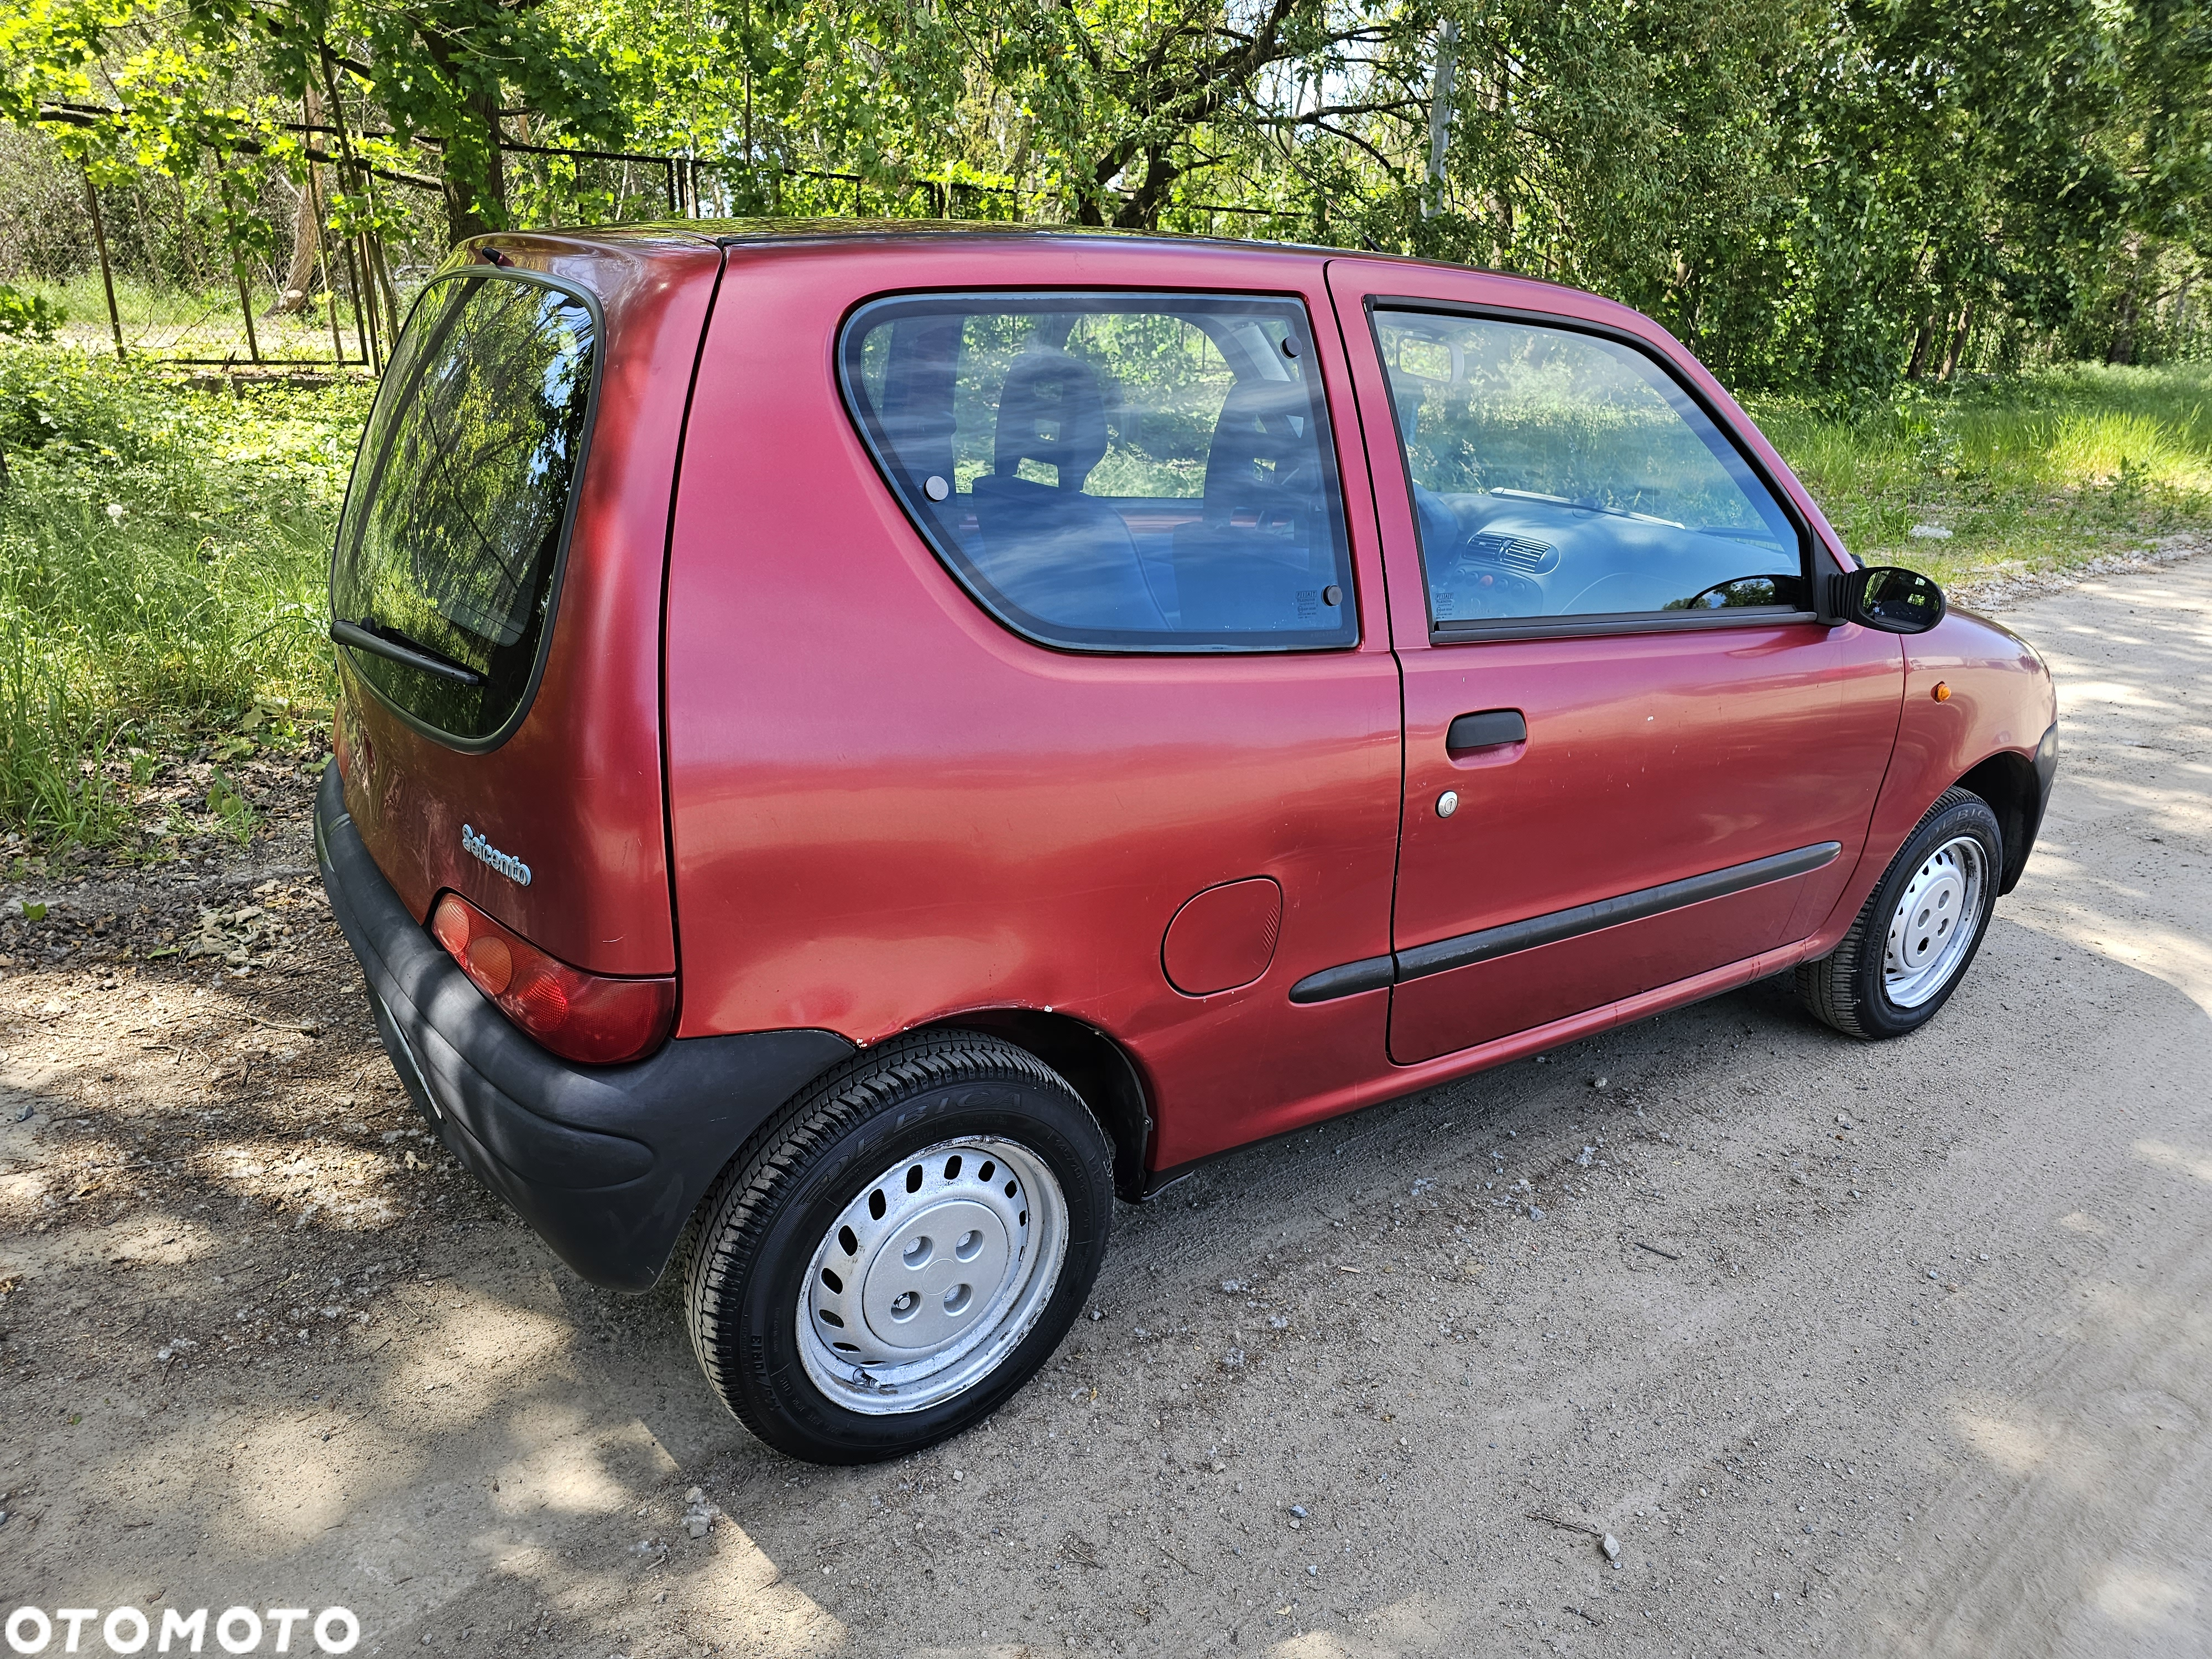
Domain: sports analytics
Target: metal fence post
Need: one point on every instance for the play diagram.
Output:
(107, 274)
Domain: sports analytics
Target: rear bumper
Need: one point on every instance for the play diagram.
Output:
(605, 1163)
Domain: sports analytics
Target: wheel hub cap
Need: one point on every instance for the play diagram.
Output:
(1934, 924)
(931, 1274)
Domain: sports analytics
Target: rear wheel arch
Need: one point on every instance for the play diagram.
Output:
(1101, 1074)
(1096, 1067)
(2007, 784)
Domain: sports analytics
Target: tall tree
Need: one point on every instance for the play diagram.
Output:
(442, 73)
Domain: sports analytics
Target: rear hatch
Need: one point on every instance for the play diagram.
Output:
(495, 591)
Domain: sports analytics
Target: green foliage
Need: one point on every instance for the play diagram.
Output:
(1838, 194)
(163, 559)
(440, 71)
(144, 85)
(1832, 194)
(28, 316)
(182, 87)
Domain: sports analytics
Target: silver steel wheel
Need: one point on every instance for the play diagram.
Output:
(931, 1275)
(1932, 927)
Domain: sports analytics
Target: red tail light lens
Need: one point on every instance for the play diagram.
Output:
(579, 1016)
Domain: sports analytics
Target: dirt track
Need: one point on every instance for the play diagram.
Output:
(1855, 1349)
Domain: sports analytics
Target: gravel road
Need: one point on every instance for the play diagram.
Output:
(1852, 1349)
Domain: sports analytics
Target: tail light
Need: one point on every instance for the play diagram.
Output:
(579, 1016)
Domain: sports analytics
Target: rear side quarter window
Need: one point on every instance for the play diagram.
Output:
(1113, 471)
(449, 549)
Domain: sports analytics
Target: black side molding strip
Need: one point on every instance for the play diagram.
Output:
(1370, 975)
(1463, 950)
(1491, 942)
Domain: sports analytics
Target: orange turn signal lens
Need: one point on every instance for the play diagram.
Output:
(579, 1016)
(1942, 692)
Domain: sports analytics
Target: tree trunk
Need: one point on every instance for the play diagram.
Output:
(1920, 343)
(473, 206)
(306, 233)
(300, 279)
(1958, 342)
(1440, 115)
(1143, 208)
(1500, 107)
(473, 210)
(2123, 327)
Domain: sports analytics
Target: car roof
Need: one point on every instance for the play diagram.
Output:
(765, 233)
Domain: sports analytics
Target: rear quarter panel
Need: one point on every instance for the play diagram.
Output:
(887, 809)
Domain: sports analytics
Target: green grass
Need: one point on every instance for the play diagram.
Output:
(191, 323)
(163, 554)
(162, 577)
(2032, 474)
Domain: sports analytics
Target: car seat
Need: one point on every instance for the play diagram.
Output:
(1065, 557)
(1261, 553)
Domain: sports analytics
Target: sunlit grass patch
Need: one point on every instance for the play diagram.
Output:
(2037, 474)
(205, 321)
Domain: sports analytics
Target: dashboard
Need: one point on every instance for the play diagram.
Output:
(1504, 553)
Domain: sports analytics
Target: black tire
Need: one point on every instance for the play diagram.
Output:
(835, 1143)
(1849, 988)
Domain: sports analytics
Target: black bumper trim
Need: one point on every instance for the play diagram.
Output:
(606, 1163)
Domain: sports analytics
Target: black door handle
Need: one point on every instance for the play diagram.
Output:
(1487, 728)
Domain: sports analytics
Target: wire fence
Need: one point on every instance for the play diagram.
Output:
(330, 303)
(150, 282)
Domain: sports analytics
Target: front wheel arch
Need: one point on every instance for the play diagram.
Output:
(2007, 785)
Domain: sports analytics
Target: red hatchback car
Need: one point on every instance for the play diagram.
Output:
(859, 744)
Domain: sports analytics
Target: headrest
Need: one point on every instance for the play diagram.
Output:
(1051, 411)
(1260, 442)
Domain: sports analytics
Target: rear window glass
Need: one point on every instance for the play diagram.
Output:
(1120, 472)
(451, 538)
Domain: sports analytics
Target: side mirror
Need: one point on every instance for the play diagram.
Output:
(1888, 598)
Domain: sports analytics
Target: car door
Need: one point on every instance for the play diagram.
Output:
(1633, 755)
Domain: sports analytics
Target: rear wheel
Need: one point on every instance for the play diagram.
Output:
(1919, 928)
(903, 1251)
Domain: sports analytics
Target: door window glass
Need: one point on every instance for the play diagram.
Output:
(1559, 474)
(1114, 472)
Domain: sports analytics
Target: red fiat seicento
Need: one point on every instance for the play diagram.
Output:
(859, 744)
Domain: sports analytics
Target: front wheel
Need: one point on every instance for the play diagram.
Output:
(1919, 929)
(903, 1252)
